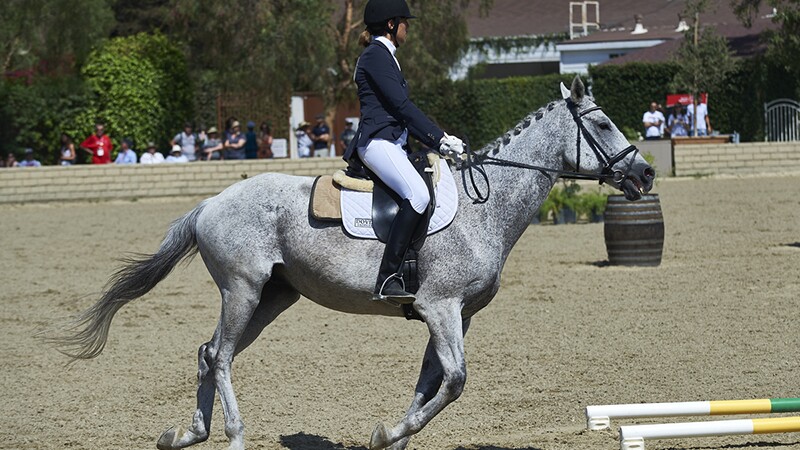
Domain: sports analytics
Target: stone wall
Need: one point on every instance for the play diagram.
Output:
(736, 159)
(109, 182)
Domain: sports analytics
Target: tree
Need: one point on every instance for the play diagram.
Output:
(141, 16)
(51, 33)
(704, 58)
(784, 43)
(140, 89)
(280, 46)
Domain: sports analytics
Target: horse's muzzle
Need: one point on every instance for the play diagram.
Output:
(638, 181)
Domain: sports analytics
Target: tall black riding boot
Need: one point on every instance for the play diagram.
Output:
(390, 287)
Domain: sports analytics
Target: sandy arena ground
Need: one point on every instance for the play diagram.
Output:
(717, 320)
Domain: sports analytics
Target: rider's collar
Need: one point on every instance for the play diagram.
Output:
(389, 45)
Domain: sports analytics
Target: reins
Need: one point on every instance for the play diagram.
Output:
(475, 163)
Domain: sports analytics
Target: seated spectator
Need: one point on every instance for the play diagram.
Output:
(11, 161)
(212, 147)
(234, 142)
(67, 152)
(321, 135)
(29, 161)
(678, 123)
(265, 141)
(187, 140)
(251, 141)
(151, 156)
(126, 154)
(304, 141)
(177, 156)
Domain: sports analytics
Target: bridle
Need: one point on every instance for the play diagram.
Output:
(607, 172)
(475, 163)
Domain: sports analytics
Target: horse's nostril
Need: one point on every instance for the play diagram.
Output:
(649, 173)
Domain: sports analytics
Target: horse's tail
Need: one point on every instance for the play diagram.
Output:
(87, 332)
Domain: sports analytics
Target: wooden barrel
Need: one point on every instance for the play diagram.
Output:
(634, 231)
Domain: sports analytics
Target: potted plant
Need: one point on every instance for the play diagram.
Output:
(592, 206)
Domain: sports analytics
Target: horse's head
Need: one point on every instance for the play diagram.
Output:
(598, 147)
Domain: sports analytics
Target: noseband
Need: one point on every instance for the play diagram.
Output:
(475, 163)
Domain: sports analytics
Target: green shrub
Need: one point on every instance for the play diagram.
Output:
(482, 110)
(34, 115)
(625, 93)
(140, 88)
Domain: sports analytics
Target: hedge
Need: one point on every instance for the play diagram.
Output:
(140, 89)
(138, 85)
(482, 110)
(625, 92)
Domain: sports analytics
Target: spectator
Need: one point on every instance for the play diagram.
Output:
(11, 161)
(304, 141)
(251, 141)
(678, 124)
(234, 142)
(99, 145)
(151, 156)
(177, 156)
(347, 135)
(653, 119)
(264, 141)
(187, 140)
(66, 155)
(126, 155)
(212, 146)
(321, 135)
(703, 123)
(29, 160)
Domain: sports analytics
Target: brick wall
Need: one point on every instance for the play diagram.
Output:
(737, 159)
(108, 182)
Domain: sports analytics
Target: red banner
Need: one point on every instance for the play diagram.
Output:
(683, 99)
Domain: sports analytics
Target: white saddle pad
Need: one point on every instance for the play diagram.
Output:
(357, 207)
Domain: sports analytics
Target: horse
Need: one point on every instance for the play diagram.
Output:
(264, 250)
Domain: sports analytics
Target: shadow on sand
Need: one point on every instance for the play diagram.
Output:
(303, 441)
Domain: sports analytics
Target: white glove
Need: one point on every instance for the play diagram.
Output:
(451, 146)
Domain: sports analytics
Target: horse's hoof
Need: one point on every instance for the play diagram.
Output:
(380, 438)
(169, 439)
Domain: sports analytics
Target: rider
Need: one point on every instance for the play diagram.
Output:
(387, 118)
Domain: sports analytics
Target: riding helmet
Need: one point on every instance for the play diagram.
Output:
(380, 11)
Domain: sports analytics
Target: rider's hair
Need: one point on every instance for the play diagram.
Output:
(373, 30)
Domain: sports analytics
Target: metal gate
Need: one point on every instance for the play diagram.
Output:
(782, 120)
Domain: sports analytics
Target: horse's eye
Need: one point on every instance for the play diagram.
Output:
(604, 126)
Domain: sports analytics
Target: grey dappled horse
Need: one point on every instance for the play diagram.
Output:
(264, 251)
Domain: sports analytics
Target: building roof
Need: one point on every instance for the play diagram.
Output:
(742, 41)
(545, 17)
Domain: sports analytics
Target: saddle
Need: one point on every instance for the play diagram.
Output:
(366, 207)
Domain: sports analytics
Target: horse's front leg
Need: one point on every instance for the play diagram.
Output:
(447, 339)
(430, 378)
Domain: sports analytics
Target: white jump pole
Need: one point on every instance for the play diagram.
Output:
(633, 437)
(598, 417)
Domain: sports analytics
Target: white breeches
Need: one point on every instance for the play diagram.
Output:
(390, 163)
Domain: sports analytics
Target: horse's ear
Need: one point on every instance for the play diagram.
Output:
(578, 90)
(565, 93)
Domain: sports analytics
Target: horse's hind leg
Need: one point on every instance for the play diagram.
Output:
(275, 298)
